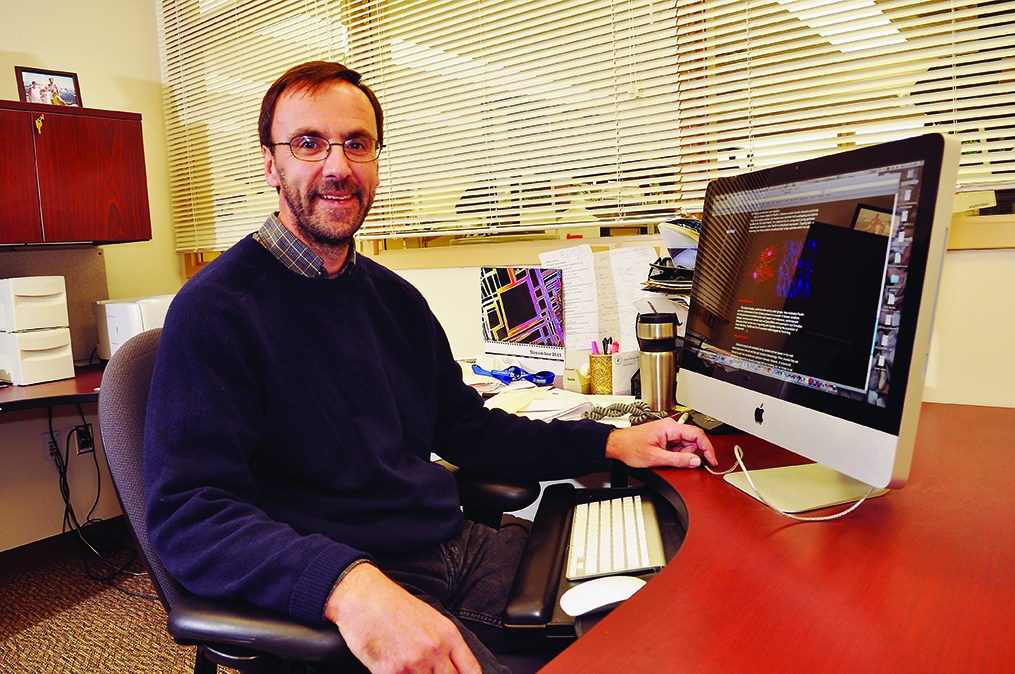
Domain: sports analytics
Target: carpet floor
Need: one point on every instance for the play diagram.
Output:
(62, 619)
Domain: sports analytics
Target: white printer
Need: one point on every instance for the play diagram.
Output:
(119, 320)
(35, 343)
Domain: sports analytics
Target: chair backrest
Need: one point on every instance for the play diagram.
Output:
(123, 403)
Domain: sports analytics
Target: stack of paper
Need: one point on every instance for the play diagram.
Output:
(541, 403)
(554, 403)
(600, 290)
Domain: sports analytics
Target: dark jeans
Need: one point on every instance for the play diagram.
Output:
(467, 579)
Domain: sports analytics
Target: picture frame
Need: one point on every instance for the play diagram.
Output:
(873, 219)
(53, 87)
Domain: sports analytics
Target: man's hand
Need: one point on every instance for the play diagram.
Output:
(660, 443)
(389, 630)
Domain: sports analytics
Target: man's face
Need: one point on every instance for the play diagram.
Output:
(322, 202)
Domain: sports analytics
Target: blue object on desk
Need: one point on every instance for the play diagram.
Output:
(515, 373)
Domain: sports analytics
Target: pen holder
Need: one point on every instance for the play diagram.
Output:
(601, 374)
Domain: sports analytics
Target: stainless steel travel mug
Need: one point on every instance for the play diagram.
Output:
(657, 359)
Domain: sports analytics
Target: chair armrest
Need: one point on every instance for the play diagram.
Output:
(485, 499)
(214, 624)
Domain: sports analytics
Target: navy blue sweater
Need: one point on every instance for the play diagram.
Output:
(290, 427)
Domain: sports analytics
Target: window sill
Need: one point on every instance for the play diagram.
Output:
(982, 232)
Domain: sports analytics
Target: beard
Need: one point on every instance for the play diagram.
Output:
(326, 230)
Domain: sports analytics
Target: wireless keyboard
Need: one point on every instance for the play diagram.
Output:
(611, 536)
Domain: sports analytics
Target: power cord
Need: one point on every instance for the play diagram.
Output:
(738, 454)
(115, 545)
(639, 410)
(62, 462)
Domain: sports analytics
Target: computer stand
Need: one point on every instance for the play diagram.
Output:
(795, 489)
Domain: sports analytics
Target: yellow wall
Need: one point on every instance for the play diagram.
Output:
(113, 47)
(971, 361)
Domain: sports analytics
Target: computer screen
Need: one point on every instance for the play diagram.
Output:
(812, 301)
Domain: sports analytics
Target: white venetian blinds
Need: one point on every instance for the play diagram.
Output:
(523, 115)
(764, 82)
(218, 58)
(508, 115)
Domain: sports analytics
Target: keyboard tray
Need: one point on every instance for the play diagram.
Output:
(534, 602)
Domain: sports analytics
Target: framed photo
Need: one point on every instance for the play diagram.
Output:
(48, 86)
(873, 219)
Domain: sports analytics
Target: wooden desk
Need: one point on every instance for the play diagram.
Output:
(919, 580)
(83, 388)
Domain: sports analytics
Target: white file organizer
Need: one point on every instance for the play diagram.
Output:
(35, 343)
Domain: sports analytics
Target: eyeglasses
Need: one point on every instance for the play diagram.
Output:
(312, 148)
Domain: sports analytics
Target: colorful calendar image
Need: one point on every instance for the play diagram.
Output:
(523, 305)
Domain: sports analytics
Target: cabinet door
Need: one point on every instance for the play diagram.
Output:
(92, 179)
(19, 193)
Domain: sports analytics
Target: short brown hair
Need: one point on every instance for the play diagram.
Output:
(312, 76)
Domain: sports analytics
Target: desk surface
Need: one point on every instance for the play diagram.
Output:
(82, 388)
(920, 580)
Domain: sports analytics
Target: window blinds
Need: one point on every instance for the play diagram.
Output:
(764, 83)
(508, 116)
(218, 59)
(525, 115)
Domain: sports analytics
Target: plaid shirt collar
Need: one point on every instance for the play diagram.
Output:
(293, 253)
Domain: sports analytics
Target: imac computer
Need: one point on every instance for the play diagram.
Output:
(811, 309)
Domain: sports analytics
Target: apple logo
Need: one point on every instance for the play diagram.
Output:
(759, 414)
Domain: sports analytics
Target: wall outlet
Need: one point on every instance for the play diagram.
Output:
(50, 445)
(85, 439)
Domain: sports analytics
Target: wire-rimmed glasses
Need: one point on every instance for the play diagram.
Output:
(360, 149)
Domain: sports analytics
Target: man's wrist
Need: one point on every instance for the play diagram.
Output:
(331, 603)
(612, 444)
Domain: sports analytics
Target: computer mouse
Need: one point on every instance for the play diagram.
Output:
(598, 592)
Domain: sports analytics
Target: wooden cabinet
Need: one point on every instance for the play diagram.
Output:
(71, 175)
(19, 192)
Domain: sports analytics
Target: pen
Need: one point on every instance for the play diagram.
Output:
(615, 347)
(595, 348)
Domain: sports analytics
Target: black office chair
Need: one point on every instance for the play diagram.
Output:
(233, 634)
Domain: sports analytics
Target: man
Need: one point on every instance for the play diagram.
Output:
(298, 393)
